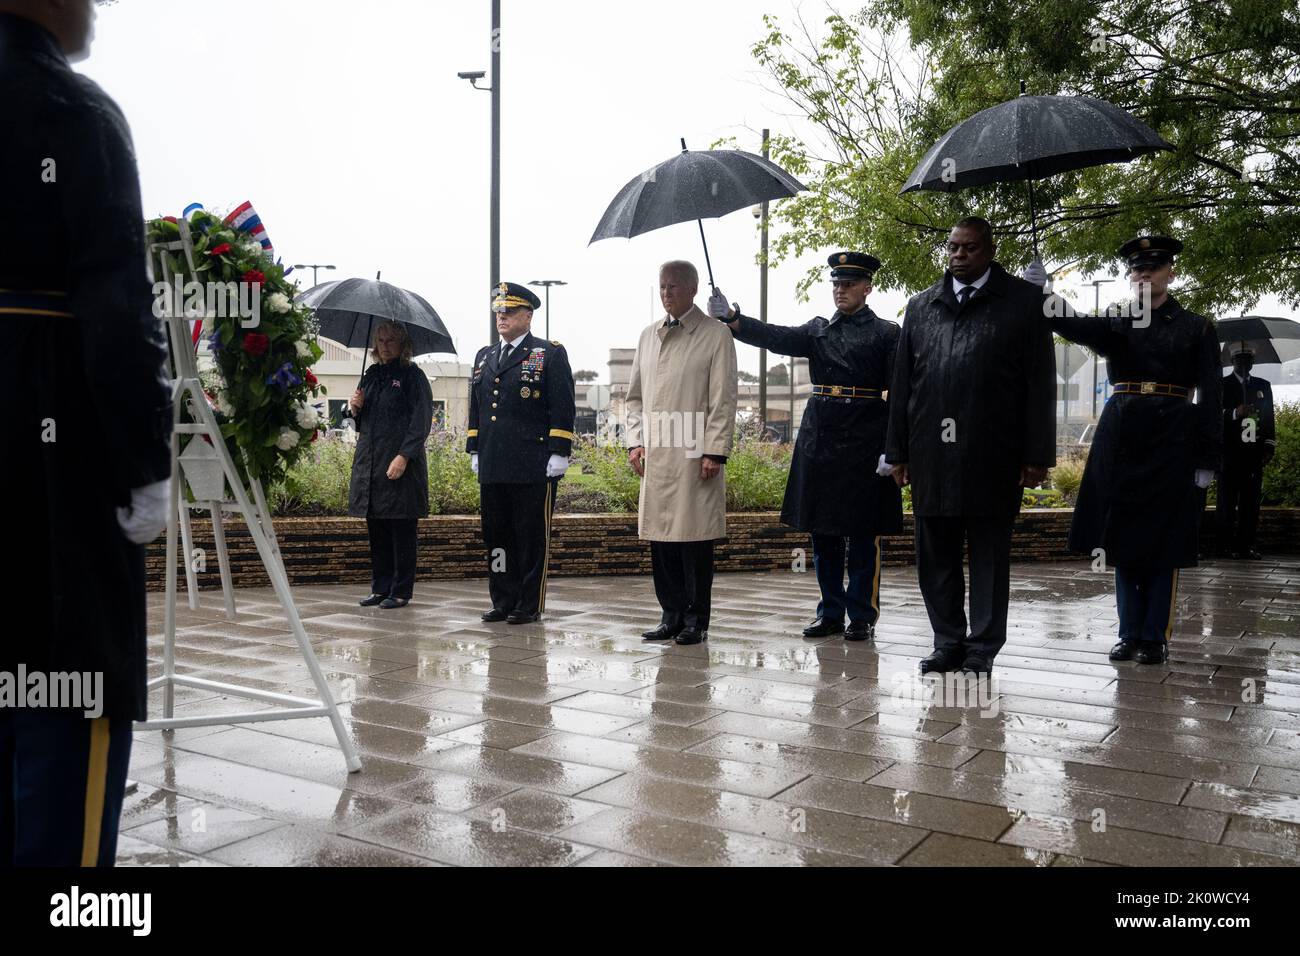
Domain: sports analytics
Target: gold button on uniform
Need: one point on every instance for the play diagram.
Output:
(494, 404)
(496, 391)
(494, 418)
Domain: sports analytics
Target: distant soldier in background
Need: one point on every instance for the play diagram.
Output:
(1249, 440)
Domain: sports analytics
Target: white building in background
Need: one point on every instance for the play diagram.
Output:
(339, 370)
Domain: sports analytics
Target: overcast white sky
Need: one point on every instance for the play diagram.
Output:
(346, 126)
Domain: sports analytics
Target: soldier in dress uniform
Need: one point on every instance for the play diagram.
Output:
(1249, 440)
(838, 490)
(521, 409)
(87, 456)
(1154, 450)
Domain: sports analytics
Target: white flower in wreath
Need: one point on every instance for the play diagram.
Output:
(287, 440)
(222, 403)
(306, 416)
(303, 349)
(253, 249)
(279, 302)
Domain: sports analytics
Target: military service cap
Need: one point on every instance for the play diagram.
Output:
(852, 265)
(1149, 250)
(511, 295)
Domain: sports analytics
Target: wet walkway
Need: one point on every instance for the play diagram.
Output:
(572, 742)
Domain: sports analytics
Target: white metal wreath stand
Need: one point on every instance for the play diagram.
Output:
(187, 388)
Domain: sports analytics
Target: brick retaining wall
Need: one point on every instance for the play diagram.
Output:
(335, 550)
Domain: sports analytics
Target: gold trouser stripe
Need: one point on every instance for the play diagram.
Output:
(472, 433)
(561, 433)
(16, 311)
(96, 785)
(875, 583)
(1173, 599)
(546, 547)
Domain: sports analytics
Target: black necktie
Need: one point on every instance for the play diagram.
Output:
(505, 352)
(964, 295)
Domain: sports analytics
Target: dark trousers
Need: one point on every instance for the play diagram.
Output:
(861, 599)
(939, 545)
(683, 573)
(1145, 601)
(62, 777)
(516, 522)
(1237, 506)
(392, 556)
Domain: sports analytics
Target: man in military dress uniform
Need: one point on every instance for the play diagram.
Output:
(834, 491)
(85, 385)
(521, 411)
(1154, 450)
(1249, 440)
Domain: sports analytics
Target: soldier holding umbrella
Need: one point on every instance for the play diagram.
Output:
(1139, 502)
(833, 491)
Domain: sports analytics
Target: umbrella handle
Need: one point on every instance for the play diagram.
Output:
(1033, 221)
(707, 264)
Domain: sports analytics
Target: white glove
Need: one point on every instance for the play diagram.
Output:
(1035, 273)
(556, 466)
(473, 461)
(146, 517)
(718, 307)
(883, 470)
(1203, 477)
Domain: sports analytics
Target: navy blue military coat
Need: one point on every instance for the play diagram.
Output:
(520, 412)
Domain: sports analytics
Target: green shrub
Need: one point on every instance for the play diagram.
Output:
(611, 485)
(756, 474)
(1282, 475)
(453, 486)
(317, 483)
(1067, 476)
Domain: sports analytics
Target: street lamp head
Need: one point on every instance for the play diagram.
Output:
(547, 283)
(475, 75)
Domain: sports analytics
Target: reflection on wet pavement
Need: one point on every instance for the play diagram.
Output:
(571, 742)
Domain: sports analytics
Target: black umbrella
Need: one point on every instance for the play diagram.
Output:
(1029, 138)
(348, 310)
(1272, 340)
(704, 184)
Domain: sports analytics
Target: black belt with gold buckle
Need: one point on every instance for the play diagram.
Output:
(31, 302)
(1152, 388)
(846, 391)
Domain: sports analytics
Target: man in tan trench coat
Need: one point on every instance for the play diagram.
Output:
(681, 412)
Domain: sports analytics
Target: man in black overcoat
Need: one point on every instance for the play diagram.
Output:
(833, 491)
(87, 459)
(971, 424)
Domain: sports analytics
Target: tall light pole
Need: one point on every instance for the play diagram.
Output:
(494, 214)
(546, 284)
(762, 305)
(313, 266)
(1096, 359)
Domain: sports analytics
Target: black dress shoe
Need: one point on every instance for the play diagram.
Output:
(941, 662)
(1151, 652)
(389, 603)
(519, 617)
(977, 665)
(1123, 651)
(664, 632)
(691, 635)
(493, 614)
(823, 627)
(860, 631)
(372, 600)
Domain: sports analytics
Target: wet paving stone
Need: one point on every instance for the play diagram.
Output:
(573, 743)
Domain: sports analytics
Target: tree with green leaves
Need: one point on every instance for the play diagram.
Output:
(1220, 80)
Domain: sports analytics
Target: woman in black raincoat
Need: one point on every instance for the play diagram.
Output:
(1154, 451)
(393, 408)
